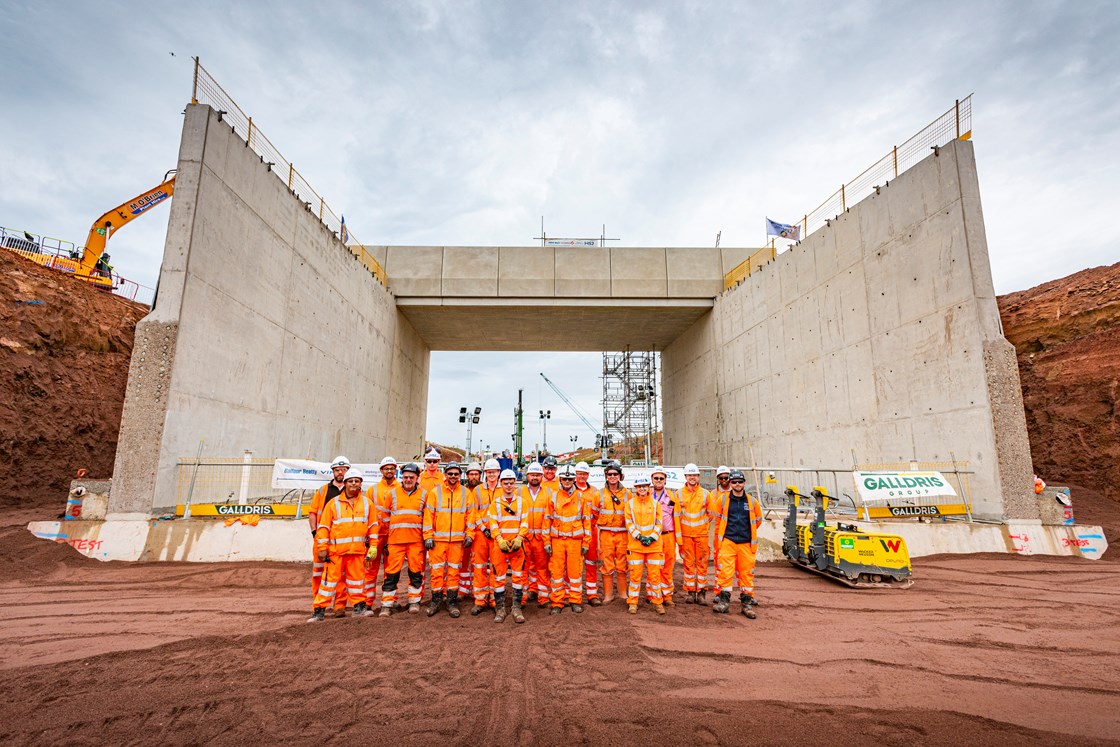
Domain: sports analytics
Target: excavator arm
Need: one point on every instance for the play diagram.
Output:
(110, 222)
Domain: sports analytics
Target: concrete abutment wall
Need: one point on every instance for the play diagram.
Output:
(879, 333)
(267, 333)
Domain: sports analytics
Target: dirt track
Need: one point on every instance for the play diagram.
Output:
(983, 649)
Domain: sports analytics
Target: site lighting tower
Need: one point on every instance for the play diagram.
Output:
(471, 419)
(546, 415)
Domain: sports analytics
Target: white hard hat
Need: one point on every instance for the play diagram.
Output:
(582, 467)
(386, 461)
(691, 469)
(567, 471)
(723, 469)
(641, 480)
(507, 474)
(474, 467)
(492, 464)
(340, 461)
(352, 473)
(433, 453)
(534, 469)
(658, 471)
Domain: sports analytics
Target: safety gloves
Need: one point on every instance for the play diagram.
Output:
(583, 549)
(429, 544)
(371, 553)
(486, 533)
(516, 543)
(503, 544)
(646, 541)
(322, 556)
(548, 549)
(468, 541)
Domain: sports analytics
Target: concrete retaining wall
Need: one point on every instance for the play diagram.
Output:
(267, 334)
(879, 333)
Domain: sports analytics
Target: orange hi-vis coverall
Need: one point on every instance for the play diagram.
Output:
(347, 529)
(735, 558)
(670, 539)
(508, 521)
(643, 518)
(382, 500)
(568, 528)
(590, 497)
(697, 507)
(613, 537)
(482, 580)
(445, 521)
(536, 559)
(319, 501)
(406, 541)
(466, 570)
(429, 481)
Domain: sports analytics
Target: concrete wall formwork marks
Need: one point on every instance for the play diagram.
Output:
(267, 333)
(879, 333)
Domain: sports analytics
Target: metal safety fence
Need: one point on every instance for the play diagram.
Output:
(751, 264)
(955, 124)
(232, 481)
(206, 90)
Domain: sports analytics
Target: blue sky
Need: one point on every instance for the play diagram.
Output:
(465, 122)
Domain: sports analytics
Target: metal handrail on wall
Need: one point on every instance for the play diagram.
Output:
(955, 124)
(206, 90)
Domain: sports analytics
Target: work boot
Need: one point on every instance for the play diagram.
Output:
(659, 608)
(690, 598)
(632, 609)
(532, 597)
(414, 608)
(722, 603)
(594, 602)
(499, 607)
(747, 601)
(478, 609)
(701, 597)
(577, 608)
(317, 615)
(339, 612)
(435, 603)
(668, 601)
(360, 609)
(453, 603)
(556, 610)
(386, 611)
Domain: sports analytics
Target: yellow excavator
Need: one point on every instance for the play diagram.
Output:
(92, 263)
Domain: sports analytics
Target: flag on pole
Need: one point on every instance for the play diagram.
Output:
(785, 231)
(343, 233)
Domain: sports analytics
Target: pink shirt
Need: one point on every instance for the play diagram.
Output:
(666, 501)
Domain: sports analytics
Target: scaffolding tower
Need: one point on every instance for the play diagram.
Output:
(630, 400)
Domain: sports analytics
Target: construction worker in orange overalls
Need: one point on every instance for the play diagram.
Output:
(723, 487)
(446, 515)
(509, 529)
(737, 536)
(406, 541)
(379, 494)
(549, 465)
(482, 580)
(345, 538)
(590, 495)
(536, 498)
(472, 479)
(568, 530)
(670, 531)
(612, 532)
(643, 525)
(697, 507)
(319, 500)
(431, 477)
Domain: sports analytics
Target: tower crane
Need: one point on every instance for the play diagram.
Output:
(599, 440)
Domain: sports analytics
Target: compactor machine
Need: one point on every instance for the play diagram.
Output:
(844, 552)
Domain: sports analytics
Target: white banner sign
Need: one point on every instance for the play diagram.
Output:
(674, 476)
(288, 474)
(881, 487)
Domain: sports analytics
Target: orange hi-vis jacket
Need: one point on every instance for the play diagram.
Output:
(756, 518)
(568, 517)
(484, 500)
(429, 482)
(446, 513)
(320, 498)
(406, 515)
(347, 527)
(612, 516)
(381, 495)
(509, 520)
(590, 495)
(643, 518)
(536, 509)
(697, 507)
(553, 484)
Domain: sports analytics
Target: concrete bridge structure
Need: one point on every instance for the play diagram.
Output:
(878, 334)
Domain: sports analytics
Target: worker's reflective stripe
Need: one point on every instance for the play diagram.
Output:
(406, 512)
(574, 535)
(347, 540)
(447, 537)
(408, 525)
(611, 529)
(433, 566)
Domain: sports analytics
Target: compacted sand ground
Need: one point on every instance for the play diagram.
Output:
(985, 649)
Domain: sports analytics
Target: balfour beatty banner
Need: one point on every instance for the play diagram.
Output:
(674, 476)
(288, 474)
(881, 487)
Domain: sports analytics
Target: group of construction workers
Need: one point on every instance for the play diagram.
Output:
(552, 537)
